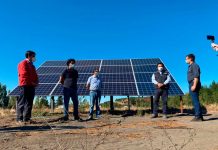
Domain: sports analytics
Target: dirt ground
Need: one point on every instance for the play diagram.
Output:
(111, 132)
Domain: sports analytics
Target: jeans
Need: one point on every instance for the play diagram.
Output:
(24, 103)
(95, 97)
(70, 93)
(163, 93)
(195, 101)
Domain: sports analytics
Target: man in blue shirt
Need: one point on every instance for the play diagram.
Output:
(161, 80)
(94, 86)
(194, 81)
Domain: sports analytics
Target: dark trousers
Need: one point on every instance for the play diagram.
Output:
(70, 93)
(95, 97)
(25, 103)
(195, 101)
(163, 93)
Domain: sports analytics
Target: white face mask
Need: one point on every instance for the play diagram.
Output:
(160, 68)
(71, 66)
(186, 61)
(96, 74)
(33, 59)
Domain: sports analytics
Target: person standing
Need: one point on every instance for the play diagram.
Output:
(28, 80)
(69, 81)
(94, 86)
(161, 80)
(194, 80)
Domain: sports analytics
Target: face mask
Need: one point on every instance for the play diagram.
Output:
(96, 74)
(160, 68)
(186, 61)
(71, 66)
(33, 59)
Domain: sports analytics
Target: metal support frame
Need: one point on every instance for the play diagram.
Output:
(152, 104)
(181, 105)
(111, 104)
(52, 100)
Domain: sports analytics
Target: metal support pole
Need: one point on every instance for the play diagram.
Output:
(181, 105)
(52, 104)
(152, 104)
(111, 104)
(129, 104)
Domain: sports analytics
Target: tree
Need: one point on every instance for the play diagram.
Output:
(12, 102)
(3, 96)
(59, 101)
(41, 102)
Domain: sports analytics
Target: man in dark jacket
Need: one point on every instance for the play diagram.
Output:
(28, 80)
(69, 81)
(161, 80)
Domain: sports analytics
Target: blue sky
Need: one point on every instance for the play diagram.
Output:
(109, 29)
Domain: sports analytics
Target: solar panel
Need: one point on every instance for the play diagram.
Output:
(122, 77)
(124, 62)
(145, 68)
(111, 78)
(116, 69)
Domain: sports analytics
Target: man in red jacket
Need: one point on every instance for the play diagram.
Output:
(28, 80)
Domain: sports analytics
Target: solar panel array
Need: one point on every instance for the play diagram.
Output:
(127, 77)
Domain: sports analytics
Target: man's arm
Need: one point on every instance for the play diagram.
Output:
(168, 80)
(196, 71)
(195, 83)
(153, 80)
(214, 46)
(88, 83)
(61, 80)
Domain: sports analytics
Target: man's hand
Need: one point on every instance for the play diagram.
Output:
(87, 86)
(160, 85)
(35, 84)
(214, 46)
(193, 88)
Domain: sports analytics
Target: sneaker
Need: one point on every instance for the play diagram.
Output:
(197, 119)
(164, 117)
(78, 119)
(64, 119)
(154, 116)
(19, 123)
(98, 117)
(90, 118)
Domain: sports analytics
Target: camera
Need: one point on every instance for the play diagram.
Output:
(211, 38)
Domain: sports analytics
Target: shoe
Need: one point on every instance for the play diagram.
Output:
(64, 119)
(197, 119)
(20, 123)
(90, 118)
(164, 117)
(98, 117)
(78, 119)
(154, 116)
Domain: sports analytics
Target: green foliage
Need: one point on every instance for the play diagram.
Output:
(59, 101)
(83, 104)
(3, 96)
(209, 95)
(12, 102)
(41, 102)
